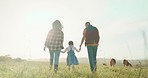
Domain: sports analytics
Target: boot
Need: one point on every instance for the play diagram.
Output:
(94, 70)
(50, 67)
(55, 68)
(73, 67)
(69, 67)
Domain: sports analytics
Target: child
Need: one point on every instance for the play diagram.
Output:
(71, 58)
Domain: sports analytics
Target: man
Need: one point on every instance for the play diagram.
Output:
(54, 42)
(91, 37)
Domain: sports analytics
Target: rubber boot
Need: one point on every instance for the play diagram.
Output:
(69, 67)
(50, 67)
(55, 68)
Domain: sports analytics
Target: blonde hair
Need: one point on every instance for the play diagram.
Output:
(57, 25)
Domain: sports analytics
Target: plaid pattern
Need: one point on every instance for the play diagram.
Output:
(54, 40)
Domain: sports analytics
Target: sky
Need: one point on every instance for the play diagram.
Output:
(24, 25)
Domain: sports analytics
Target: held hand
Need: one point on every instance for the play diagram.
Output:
(80, 46)
(62, 47)
(62, 52)
(79, 49)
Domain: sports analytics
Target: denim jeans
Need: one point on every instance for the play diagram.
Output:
(54, 55)
(92, 52)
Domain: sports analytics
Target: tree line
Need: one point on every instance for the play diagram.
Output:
(8, 58)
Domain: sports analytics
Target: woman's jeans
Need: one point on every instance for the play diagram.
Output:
(92, 52)
(54, 55)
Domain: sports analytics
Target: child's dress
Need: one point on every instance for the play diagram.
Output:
(71, 58)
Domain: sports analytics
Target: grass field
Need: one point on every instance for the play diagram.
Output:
(30, 69)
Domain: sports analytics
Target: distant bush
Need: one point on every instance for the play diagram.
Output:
(18, 59)
(5, 58)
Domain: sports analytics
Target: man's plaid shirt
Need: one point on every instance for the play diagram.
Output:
(54, 40)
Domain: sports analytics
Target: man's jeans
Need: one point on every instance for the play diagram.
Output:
(92, 52)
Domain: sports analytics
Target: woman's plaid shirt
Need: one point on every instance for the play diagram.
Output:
(54, 40)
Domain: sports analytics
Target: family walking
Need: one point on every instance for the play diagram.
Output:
(54, 42)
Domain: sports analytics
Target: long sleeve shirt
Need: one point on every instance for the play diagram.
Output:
(54, 40)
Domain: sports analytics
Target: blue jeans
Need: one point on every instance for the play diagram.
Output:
(92, 52)
(54, 55)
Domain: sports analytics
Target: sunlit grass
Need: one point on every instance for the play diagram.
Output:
(27, 69)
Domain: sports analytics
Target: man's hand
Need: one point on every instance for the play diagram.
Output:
(79, 48)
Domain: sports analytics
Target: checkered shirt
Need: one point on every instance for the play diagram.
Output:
(54, 40)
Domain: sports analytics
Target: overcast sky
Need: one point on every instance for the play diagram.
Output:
(24, 25)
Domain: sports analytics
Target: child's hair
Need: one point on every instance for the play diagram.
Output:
(70, 42)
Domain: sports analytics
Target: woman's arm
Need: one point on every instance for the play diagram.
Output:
(47, 38)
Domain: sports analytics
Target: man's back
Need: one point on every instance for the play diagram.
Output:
(92, 35)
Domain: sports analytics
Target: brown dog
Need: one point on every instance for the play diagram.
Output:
(126, 63)
(112, 62)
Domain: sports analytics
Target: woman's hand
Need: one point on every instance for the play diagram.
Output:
(62, 52)
(44, 48)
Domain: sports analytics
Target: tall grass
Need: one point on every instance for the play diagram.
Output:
(32, 69)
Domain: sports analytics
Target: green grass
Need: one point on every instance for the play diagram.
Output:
(27, 69)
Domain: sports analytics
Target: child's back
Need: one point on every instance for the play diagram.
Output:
(71, 58)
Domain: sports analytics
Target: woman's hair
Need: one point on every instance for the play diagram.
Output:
(57, 24)
(70, 42)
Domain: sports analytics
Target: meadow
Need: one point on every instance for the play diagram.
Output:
(35, 69)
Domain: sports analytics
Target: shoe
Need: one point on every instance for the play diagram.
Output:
(73, 67)
(94, 70)
(50, 67)
(55, 68)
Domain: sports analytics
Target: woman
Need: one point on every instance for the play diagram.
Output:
(54, 42)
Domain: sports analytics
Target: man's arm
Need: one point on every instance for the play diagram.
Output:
(98, 36)
(83, 38)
